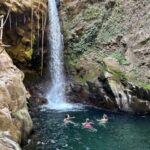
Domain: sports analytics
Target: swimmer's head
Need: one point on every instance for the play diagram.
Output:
(105, 116)
(87, 120)
(67, 116)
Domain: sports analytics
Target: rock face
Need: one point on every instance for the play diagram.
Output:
(110, 89)
(16, 123)
(24, 30)
(96, 30)
(109, 28)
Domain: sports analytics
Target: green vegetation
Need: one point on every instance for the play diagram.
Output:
(92, 12)
(120, 58)
(90, 35)
(101, 28)
(146, 86)
(87, 41)
(119, 75)
(113, 25)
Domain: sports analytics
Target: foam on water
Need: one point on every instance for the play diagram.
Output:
(63, 107)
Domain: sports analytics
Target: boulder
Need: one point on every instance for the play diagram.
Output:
(6, 142)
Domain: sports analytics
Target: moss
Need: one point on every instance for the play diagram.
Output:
(113, 25)
(92, 12)
(81, 72)
(120, 58)
(26, 40)
(146, 86)
(28, 53)
(21, 52)
(92, 75)
(118, 75)
(101, 26)
(91, 34)
(78, 44)
(86, 42)
(71, 63)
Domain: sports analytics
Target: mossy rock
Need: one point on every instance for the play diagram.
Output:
(21, 52)
(111, 63)
(20, 31)
(113, 26)
(28, 53)
(26, 40)
(92, 12)
(120, 58)
(146, 86)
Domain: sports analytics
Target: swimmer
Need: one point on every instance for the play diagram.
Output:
(68, 116)
(104, 119)
(88, 124)
(67, 119)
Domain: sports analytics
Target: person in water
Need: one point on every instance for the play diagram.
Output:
(88, 124)
(67, 119)
(104, 119)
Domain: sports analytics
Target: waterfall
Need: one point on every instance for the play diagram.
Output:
(56, 93)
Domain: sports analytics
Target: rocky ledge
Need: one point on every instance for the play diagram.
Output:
(108, 88)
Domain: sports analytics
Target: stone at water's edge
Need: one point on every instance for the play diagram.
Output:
(14, 116)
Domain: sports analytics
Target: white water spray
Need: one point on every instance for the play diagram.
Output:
(56, 93)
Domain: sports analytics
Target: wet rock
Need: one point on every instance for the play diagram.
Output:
(37, 97)
(37, 101)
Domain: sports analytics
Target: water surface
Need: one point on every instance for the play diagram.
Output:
(122, 132)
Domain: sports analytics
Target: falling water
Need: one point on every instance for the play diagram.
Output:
(56, 93)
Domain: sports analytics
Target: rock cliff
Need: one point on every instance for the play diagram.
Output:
(108, 38)
(24, 28)
(16, 123)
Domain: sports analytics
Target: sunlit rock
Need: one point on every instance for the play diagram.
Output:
(14, 116)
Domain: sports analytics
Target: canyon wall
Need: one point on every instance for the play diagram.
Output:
(107, 52)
